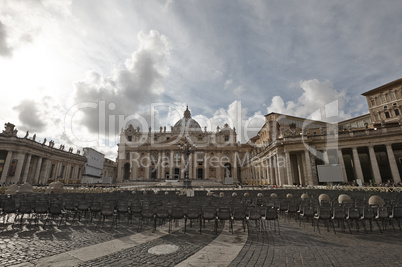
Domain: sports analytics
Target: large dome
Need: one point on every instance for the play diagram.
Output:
(187, 123)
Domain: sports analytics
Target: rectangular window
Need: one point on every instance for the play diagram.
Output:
(200, 156)
(383, 99)
(372, 102)
(392, 95)
(130, 138)
(387, 114)
(397, 112)
(226, 138)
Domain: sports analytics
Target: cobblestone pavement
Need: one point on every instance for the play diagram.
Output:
(23, 243)
(299, 246)
(188, 243)
(295, 245)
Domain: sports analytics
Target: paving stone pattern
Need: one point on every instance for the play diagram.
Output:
(189, 243)
(299, 246)
(294, 246)
(29, 242)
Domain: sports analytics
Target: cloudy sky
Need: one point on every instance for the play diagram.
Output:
(77, 71)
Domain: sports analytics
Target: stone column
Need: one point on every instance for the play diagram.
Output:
(163, 164)
(148, 166)
(158, 165)
(309, 171)
(195, 165)
(182, 166)
(325, 157)
(281, 169)
(234, 168)
(289, 172)
(38, 169)
(392, 163)
(300, 169)
(134, 167)
(219, 169)
(20, 158)
(6, 167)
(374, 165)
(171, 163)
(358, 166)
(46, 171)
(342, 163)
(206, 166)
(271, 171)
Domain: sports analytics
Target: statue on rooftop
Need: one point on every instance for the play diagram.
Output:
(9, 130)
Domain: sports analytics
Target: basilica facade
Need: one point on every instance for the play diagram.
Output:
(185, 150)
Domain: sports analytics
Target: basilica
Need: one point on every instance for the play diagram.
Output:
(186, 151)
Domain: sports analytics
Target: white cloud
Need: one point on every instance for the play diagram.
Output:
(316, 96)
(129, 89)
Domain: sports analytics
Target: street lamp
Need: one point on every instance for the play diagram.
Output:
(187, 149)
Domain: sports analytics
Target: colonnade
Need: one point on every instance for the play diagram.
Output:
(21, 167)
(298, 166)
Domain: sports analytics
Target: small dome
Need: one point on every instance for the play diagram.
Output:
(187, 123)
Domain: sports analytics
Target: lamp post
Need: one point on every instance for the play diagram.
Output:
(187, 149)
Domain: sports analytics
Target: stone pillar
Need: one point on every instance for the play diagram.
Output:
(158, 164)
(309, 171)
(148, 166)
(6, 167)
(303, 162)
(234, 171)
(134, 167)
(271, 171)
(342, 163)
(281, 169)
(325, 157)
(163, 164)
(195, 165)
(182, 166)
(374, 165)
(358, 166)
(20, 158)
(300, 169)
(38, 169)
(26, 169)
(171, 163)
(219, 169)
(206, 165)
(289, 172)
(46, 171)
(392, 163)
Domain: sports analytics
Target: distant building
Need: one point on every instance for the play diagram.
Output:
(93, 169)
(385, 103)
(24, 159)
